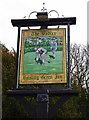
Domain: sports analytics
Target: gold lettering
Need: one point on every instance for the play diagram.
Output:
(49, 33)
(58, 76)
(31, 77)
(34, 34)
(46, 77)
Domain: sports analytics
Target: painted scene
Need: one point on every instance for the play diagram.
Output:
(43, 56)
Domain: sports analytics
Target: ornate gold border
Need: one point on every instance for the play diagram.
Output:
(43, 78)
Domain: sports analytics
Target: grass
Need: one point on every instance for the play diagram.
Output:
(31, 67)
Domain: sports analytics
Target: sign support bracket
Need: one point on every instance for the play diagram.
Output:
(43, 97)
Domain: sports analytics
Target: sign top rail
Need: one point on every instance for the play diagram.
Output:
(46, 22)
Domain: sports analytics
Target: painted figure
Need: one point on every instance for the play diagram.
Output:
(40, 55)
(54, 47)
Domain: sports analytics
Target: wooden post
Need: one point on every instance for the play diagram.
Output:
(68, 46)
(17, 65)
(43, 100)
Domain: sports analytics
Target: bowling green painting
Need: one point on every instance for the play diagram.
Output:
(43, 56)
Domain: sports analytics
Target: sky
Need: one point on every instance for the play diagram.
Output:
(17, 9)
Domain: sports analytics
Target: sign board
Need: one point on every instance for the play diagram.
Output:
(43, 56)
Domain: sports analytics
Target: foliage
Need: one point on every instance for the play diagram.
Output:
(10, 107)
(8, 67)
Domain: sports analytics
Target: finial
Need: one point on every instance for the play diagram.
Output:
(43, 9)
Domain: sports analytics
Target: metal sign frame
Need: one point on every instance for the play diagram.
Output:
(48, 22)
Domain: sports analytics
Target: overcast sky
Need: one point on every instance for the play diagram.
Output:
(17, 9)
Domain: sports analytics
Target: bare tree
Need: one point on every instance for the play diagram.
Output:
(79, 65)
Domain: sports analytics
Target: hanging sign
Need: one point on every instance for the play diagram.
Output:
(43, 56)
